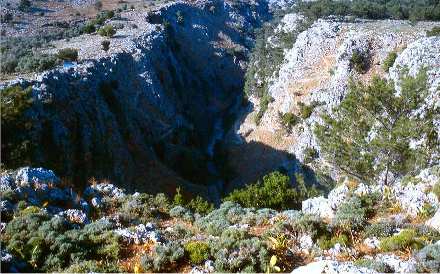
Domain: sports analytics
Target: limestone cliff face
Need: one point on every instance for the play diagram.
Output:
(317, 69)
(134, 114)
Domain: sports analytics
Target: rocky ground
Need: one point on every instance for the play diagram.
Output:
(162, 108)
(401, 232)
(316, 70)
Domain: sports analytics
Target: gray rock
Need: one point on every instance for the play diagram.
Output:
(75, 216)
(372, 243)
(31, 176)
(338, 195)
(7, 183)
(318, 206)
(140, 234)
(434, 222)
(96, 202)
(329, 266)
(396, 263)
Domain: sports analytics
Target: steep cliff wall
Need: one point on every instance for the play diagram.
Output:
(143, 114)
(316, 71)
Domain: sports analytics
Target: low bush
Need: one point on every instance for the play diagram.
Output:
(389, 61)
(351, 215)
(68, 54)
(428, 259)
(264, 104)
(310, 154)
(359, 62)
(107, 31)
(89, 28)
(435, 31)
(380, 230)
(181, 212)
(52, 244)
(164, 257)
(306, 110)
(288, 120)
(373, 264)
(406, 239)
(275, 191)
(325, 242)
(436, 190)
(200, 205)
(105, 45)
(197, 252)
(237, 251)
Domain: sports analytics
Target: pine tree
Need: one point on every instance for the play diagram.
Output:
(372, 133)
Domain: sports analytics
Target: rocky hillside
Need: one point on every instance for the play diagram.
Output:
(225, 136)
(151, 108)
(313, 77)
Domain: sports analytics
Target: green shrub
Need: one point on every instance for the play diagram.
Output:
(359, 62)
(181, 212)
(50, 244)
(310, 154)
(93, 266)
(6, 17)
(351, 215)
(373, 264)
(288, 120)
(164, 257)
(24, 5)
(436, 190)
(36, 63)
(98, 5)
(236, 251)
(17, 145)
(345, 138)
(380, 230)
(428, 259)
(427, 211)
(306, 110)
(406, 239)
(374, 9)
(324, 242)
(197, 252)
(311, 225)
(105, 45)
(89, 28)
(68, 54)
(107, 31)
(264, 104)
(178, 198)
(389, 61)
(275, 191)
(435, 31)
(200, 205)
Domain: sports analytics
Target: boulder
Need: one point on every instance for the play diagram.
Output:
(75, 216)
(330, 266)
(434, 222)
(28, 176)
(318, 206)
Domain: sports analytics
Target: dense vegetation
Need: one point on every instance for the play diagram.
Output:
(376, 131)
(16, 146)
(415, 10)
(274, 191)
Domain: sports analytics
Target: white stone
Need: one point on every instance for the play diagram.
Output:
(318, 206)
